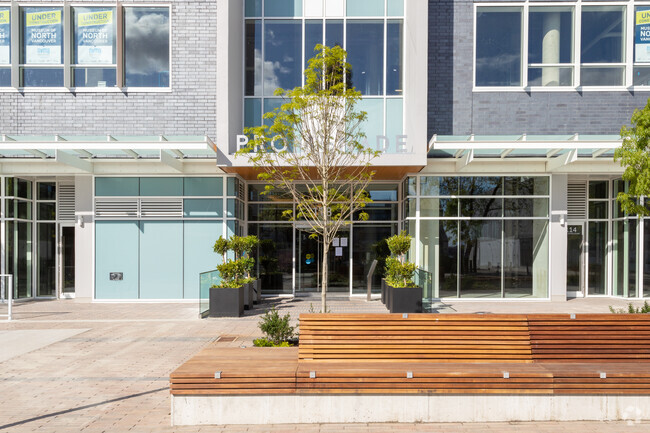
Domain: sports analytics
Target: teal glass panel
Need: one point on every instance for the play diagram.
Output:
(395, 8)
(161, 186)
(283, 8)
(203, 208)
(116, 251)
(365, 8)
(374, 124)
(395, 127)
(252, 112)
(203, 186)
(231, 211)
(253, 8)
(198, 253)
(231, 226)
(161, 259)
(232, 186)
(117, 186)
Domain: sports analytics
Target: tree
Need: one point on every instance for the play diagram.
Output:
(634, 155)
(313, 148)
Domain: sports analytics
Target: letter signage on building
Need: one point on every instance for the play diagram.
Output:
(5, 37)
(94, 37)
(43, 36)
(642, 35)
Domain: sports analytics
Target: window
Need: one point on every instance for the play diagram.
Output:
(94, 43)
(279, 40)
(41, 55)
(146, 47)
(5, 46)
(587, 45)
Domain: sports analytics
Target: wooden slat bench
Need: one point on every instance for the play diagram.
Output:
(416, 338)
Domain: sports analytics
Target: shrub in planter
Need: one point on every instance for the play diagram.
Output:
(276, 329)
(403, 296)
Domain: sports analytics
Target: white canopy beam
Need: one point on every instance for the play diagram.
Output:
(171, 161)
(562, 160)
(73, 161)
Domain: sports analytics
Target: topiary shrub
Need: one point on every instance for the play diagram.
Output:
(399, 272)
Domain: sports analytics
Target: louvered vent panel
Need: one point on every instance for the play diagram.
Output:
(161, 208)
(577, 200)
(105, 207)
(65, 203)
(242, 193)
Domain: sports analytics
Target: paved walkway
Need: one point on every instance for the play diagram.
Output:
(101, 367)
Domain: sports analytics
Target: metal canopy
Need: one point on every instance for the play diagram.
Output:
(556, 150)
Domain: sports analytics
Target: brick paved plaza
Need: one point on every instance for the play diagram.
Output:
(71, 366)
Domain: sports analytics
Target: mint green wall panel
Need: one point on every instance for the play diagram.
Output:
(116, 250)
(161, 186)
(117, 186)
(365, 8)
(203, 208)
(161, 259)
(199, 255)
(203, 186)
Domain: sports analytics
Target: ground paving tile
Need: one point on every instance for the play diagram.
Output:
(113, 377)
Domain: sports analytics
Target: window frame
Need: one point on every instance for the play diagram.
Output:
(68, 64)
(629, 8)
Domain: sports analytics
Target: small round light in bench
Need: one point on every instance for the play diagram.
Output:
(409, 375)
(506, 375)
(217, 375)
(312, 375)
(603, 375)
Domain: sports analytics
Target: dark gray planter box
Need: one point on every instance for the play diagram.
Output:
(258, 290)
(405, 299)
(383, 291)
(227, 302)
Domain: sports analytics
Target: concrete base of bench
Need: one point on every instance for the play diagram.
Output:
(330, 408)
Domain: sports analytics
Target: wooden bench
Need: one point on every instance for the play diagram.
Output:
(415, 338)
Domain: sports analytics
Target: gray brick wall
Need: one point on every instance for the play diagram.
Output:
(455, 109)
(189, 109)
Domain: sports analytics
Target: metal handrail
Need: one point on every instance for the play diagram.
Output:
(370, 274)
(10, 292)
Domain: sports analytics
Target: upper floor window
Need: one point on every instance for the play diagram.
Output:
(87, 49)
(585, 45)
(279, 40)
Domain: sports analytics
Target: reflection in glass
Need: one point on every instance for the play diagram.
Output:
(551, 75)
(274, 256)
(526, 207)
(46, 263)
(526, 185)
(46, 211)
(525, 252)
(436, 186)
(598, 209)
(94, 77)
(438, 207)
(498, 46)
(19, 257)
(480, 259)
(602, 39)
(41, 77)
(282, 55)
(394, 32)
(382, 192)
(641, 76)
(479, 185)
(334, 33)
(602, 76)
(313, 37)
(598, 189)
(268, 212)
(597, 267)
(439, 255)
(379, 212)
(46, 191)
(146, 46)
(366, 56)
(370, 244)
(481, 207)
(625, 258)
(253, 58)
(5, 77)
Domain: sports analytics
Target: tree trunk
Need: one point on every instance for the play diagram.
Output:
(324, 278)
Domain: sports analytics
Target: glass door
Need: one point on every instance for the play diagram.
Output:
(67, 270)
(309, 250)
(575, 260)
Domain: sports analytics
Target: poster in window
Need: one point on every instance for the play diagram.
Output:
(95, 37)
(642, 35)
(5, 37)
(43, 36)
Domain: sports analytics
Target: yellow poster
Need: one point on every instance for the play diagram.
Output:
(643, 17)
(42, 18)
(95, 18)
(4, 17)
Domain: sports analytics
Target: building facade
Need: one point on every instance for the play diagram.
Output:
(497, 120)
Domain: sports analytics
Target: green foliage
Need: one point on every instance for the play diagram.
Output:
(263, 342)
(631, 309)
(399, 272)
(634, 156)
(399, 244)
(233, 272)
(313, 311)
(276, 329)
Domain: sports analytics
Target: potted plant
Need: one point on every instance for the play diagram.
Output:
(401, 293)
(230, 297)
(248, 245)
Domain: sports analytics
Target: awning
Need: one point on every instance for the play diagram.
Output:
(556, 150)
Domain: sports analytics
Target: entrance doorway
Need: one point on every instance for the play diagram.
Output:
(67, 262)
(309, 253)
(575, 280)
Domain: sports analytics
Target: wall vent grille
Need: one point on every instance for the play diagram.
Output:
(66, 203)
(161, 208)
(116, 208)
(577, 200)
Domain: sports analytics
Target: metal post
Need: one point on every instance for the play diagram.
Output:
(10, 279)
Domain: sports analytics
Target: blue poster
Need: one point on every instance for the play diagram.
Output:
(5, 36)
(43, 36)
(642, 35)
(94, 36)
